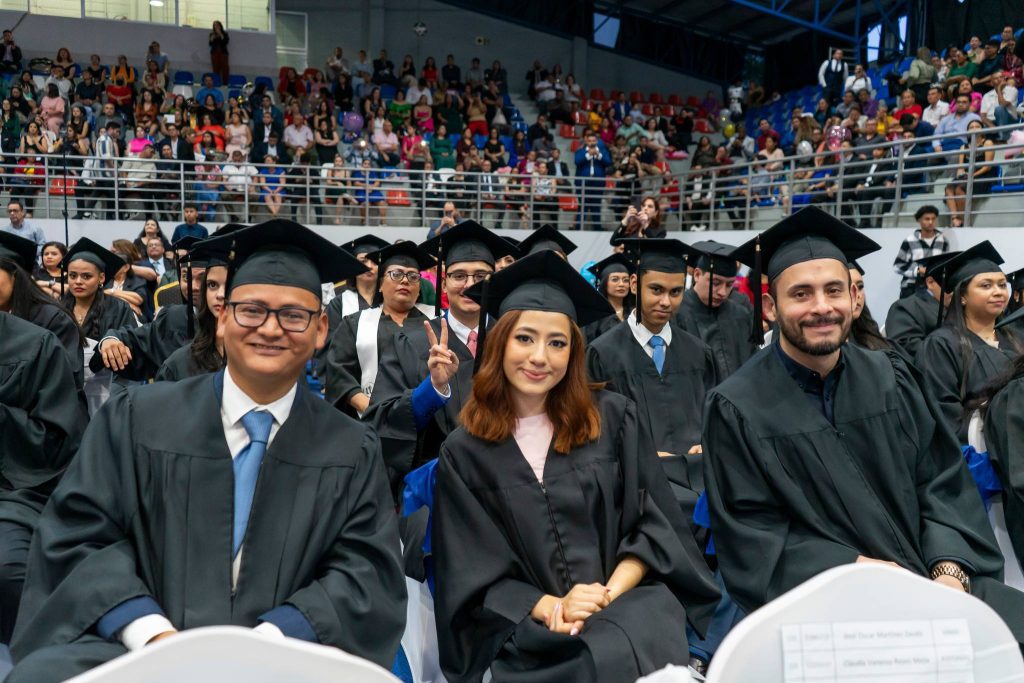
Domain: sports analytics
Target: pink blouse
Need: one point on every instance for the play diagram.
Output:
(533, 436)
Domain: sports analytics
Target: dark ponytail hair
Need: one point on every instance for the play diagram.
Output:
(26, 296)
(203, 349)
(864, 330)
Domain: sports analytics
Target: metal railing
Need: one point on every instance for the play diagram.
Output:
(751, 195)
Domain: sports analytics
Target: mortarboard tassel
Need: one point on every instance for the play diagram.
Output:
(437, 276)
(711, 284)
(190, 305)
(639, 286)
(942, 298)
(754, 282)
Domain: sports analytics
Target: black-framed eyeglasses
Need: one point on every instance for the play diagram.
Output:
(290, 318)
(460, 277)
(403, 275)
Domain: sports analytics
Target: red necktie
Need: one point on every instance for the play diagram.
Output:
(471, 342)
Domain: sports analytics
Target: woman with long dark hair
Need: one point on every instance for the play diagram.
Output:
(88, 267)
(48, 274)
(559, 548)
(612, 275)
(20, 296)
(151, 228)
(205, 353)
(864, 331)
(968, 351)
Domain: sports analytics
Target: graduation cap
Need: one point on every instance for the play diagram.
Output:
(284, 253)
(616, 263)
(185, 243)
(853, 265)
(542, 281)
(18, 249)
(512, 240)
(86, 250)
(660, 255)
(547, 236)
(806, 235)
(981, 258)
(364, 245)
(467, 241)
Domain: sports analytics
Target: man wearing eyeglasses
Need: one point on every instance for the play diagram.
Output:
(249, 502)
(361, 339)
(427, 375)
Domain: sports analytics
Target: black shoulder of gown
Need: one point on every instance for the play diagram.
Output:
(910, 320)
(1004, 437)
(150, 344)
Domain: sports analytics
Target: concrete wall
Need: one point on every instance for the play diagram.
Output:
(252, 53)
(881, 282)
(373, 24)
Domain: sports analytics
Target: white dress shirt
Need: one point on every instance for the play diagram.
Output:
(235, 403)
(643, 335)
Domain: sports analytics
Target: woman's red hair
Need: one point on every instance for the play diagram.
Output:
(489, 415)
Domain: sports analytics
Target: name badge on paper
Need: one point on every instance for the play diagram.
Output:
(911, 651)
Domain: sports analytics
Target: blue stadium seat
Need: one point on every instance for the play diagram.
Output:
(388, 92)
(234, 93)
(479, 141)
(265, 81)
(520, 125)
(507, 141)
(1008, 187)
(506, 100)
(904, 65)
(184, 78)
(236, 81)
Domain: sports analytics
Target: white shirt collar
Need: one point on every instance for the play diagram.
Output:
(460, 330)
(235, 403)
(643, 335)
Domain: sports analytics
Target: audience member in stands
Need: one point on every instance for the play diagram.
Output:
(999, 105)
(988, 67)
(832, 75)
(984, 174)
(963, 69)
(926, 241)
(53, 107)
(10, 59)
(218, 42)
(956, 121)
(858, 80)
(88, 93)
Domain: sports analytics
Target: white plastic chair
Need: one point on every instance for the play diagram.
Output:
(863, 592)
(230, 653)
(1013, 575)
(183, 90)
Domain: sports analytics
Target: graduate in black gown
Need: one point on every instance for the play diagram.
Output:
(613, 276)
(40, 427)
(967, 353)
(864, 331)
(819, 454)
(24, 299)
(1003, 410)
(362, 339)
(249, 502)
(649, 359)
(721, 323)
(205, 353)
(410, 413)
(557, 541)
(914, 317)
(88, 265)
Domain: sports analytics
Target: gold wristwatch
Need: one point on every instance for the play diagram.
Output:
(954, 570)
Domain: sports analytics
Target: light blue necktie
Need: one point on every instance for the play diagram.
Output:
(658, 344)
(247, 468)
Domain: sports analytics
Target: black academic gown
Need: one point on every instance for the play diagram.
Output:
(179, 365)
(725, 330)
(670, 404)
(502, 541)
(941, 359)
(390, 413)
(150, 344)
(342, 372)
(146, 507)
(1004, 437)
(335, 312)
(910, 320)
(599, 327)
(116, 314)
(800, 495)
(57, 320)
(40, 420)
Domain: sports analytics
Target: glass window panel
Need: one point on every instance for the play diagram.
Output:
(201, 13)
(57, 8)
(874, 42)
(249, 15)
(16, 5)
(606, 29)
(132, 10)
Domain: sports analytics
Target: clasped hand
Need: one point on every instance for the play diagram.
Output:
(569, 612)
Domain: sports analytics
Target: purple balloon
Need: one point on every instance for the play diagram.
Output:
(352, 122)
(836, 136)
